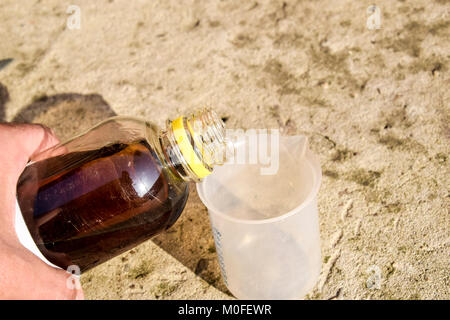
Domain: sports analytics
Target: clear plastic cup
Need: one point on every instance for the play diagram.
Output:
(266, 227)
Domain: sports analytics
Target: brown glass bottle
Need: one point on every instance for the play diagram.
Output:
(83, 207)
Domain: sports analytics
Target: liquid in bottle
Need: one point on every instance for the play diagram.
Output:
(88, 200)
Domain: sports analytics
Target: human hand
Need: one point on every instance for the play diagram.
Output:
(23, 275)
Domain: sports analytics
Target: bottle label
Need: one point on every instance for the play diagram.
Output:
(24, 236)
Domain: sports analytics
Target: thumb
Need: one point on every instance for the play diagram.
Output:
(22, 141)
(19, 142)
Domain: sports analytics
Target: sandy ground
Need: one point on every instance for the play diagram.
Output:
(374, 104)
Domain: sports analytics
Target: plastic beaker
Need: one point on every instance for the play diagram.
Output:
(266, 227)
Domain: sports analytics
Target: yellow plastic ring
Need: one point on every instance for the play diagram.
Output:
(197, 141)
(187, 150)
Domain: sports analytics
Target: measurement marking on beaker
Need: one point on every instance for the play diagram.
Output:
(218, 240)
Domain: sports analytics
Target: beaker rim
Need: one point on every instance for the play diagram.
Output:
(314, 164)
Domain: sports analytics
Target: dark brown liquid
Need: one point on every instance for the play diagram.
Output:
(83, 208)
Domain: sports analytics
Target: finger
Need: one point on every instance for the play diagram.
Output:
(19, 142)
(27, 277)
(48, 283)
(69, 286)
(25, 140)
(79, 295)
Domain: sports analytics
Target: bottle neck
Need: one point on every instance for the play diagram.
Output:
(194, 145)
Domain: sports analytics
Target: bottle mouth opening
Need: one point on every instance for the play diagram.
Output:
(201, 140)
(208, 132)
